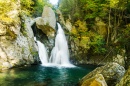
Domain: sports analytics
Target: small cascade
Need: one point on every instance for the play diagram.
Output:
(42, 53)
(60, 52)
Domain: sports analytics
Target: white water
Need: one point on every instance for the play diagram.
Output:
(42, 53)
(60, 53)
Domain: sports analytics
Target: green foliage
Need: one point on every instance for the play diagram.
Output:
(69, 8)
(5, 7)
(32, 52)
(118, 4)
(88, 39)
(26, 7)
(97, 44)
(80, 30)
(124, 37)
(38, 6)
(23, 29)
(114, 13)
(83, 9)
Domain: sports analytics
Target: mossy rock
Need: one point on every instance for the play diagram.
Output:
(11, 33)
(112, 72)
(125, 81)
(97, 80)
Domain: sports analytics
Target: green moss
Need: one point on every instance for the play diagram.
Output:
(23, 29)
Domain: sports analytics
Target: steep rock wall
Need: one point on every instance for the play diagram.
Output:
(17, 46)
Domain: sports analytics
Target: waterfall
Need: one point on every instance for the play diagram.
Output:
(42, 53)
(60, 52)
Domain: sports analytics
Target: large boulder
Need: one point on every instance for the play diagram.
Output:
(112, 73)
(125, 81)
(47, 22)
(48, 16)
(45, 27)
(97, 80)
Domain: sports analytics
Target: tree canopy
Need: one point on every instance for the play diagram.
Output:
(111, 16)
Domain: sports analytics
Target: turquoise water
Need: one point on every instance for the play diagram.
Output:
(44, 76)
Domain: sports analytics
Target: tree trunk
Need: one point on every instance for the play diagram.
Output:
(109, 25)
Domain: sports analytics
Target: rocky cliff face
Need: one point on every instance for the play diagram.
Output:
(17, 46)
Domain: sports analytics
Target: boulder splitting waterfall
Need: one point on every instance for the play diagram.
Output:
(60, 53)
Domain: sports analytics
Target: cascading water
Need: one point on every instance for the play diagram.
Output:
(60, 52)
(42, 53)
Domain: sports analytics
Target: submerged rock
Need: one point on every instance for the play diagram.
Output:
(125, 81)
(112, 73)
